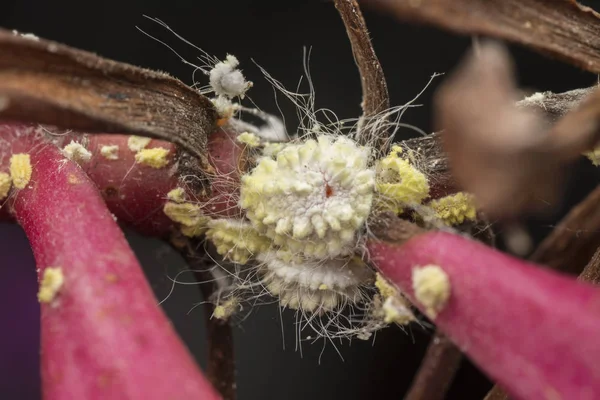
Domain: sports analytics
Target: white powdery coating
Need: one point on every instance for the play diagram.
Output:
(314, 286)
(137, 143)
(313, 198)
(110, 152)
(76, 152)
(226, 80)
(225, 108)
(337, 274)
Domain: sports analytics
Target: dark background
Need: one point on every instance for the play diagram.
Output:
(273, 33)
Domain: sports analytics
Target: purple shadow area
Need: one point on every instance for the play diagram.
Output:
(19, 317)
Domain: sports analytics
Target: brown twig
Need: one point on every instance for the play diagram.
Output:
(497, 393)
(560, 28)
(220, 368)
(437, 370)
(573, 241)
(591, 272)
(374, 87)
(221, 358)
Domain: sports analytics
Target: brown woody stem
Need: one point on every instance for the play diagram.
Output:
(573, 241)
(374, 87)
(220, 367)
(437, 370)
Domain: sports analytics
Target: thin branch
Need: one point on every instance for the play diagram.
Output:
(374, 87)
(560, 28)
(221, 358)
(440, 364)
(497, 393)
(573, 241)
(591, 272)
(220, 369)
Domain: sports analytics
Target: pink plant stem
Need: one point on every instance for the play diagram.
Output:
(532, 330)
(136, 194)
(103, 336)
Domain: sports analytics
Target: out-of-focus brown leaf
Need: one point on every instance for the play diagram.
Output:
(496, 149)
(562, 29)
(49, 83)
(511, 155)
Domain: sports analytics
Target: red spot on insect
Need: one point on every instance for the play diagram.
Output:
(328, 190)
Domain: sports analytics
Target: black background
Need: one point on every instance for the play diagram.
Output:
(273, 33)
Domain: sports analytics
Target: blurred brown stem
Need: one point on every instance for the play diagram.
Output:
(437, 370)
(220, 367)
(221, 358)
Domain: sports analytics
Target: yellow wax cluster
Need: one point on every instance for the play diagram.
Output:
(5, 184)
(432, 288)
(455, 208)
(20, 169)
(399, 183)
(226, 309)
(236, 240)
(394, 308)
(193, 221)
(52, 281)
(249, 139)
(155, 157)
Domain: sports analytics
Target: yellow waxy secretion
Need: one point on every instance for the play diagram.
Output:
(190, 216)
(399, 183)
(385, 288)
(5, 184)
(226, 309)
(594, 156)
(394, 307)
(137, 143)
(155, 157)
(52, 281)
(397, 311)
(432, 288)
(236, 240)
(177, 195)
(455, 208)
(249, 139)
(20, 169)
